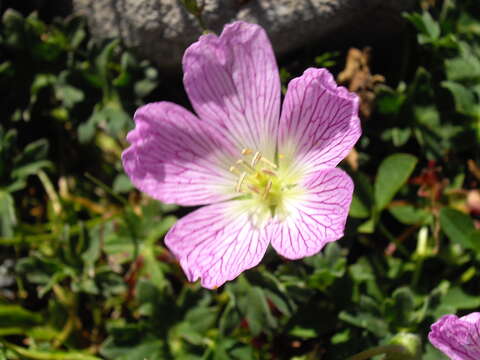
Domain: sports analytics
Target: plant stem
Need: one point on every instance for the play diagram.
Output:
(417, 273)
(50, 190)
(393, 239)
(45, 355)
(106, 188)
(385, 349)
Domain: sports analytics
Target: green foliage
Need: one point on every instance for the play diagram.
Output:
(84, 273)
(393, 172)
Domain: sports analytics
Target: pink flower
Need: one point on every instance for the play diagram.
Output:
(269, 178)
(458, 338)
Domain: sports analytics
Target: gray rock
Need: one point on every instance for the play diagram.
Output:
(162, 29)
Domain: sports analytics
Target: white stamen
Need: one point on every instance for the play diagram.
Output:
(256, 158)
(267, 189)
(234, 170)
(268, 162)
(246, 165)
(240, 182)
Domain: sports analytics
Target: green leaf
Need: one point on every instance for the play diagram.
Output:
(36, 150)
(14, 315)
(401, 306)
(91, 254)
(392, 174)
(252, 304)
(457, 298)
(117, 119)
(458, 227)
(133, 342)
(302, 332)
(7, 214)
(102, 60)
(68, 94)
(49, 355)
(191, 6)
(432, 353)
(411, 344)
(372, 323)
(465, 101)
(464, 68)
(390, 101)
(358, 209)
(30, 169)
(407, 214)
(468, 24)
(429, 29)
(86, 130)
(122, 184)
(257, 311)
(368, 227)
(398, 136)
(362, 200)
(329, 265)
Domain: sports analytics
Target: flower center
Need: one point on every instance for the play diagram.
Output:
(259, 179)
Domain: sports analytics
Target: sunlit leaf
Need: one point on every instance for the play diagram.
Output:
(392, 174)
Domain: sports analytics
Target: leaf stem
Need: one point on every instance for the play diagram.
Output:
(106, 188)
(45, 355)
(378, 350)
(417, 273)
(393, 239)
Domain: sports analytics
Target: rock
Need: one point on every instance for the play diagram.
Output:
(162, 29)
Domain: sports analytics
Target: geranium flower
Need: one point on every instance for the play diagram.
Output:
(458, 338)
(270, 178)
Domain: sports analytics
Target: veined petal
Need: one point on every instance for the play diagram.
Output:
(319, 123)
(315, 217)
(233, 83)
(217, 242)
(177, 158)
(458, 338)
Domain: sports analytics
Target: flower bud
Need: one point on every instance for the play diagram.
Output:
(411, 344)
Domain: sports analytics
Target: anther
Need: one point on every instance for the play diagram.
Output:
(267, 189)
(269, 172)
(254, 189)
(240, 182)
(256, 158)
(247, 151)
(234, 170)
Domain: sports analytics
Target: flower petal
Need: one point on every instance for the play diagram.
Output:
(459, 339)
(316, 217)
(473, 318)
(233, 83)
(177, 158)
(217, 242)
(319, 123)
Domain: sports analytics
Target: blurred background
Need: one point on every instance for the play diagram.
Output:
(84, 273)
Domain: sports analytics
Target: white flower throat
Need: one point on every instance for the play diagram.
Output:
(260, 179)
